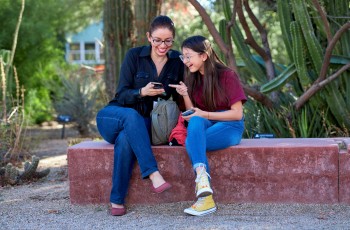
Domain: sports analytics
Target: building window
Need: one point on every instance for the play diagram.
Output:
(102, 54)
(90, 52)
(75, 52)
(85, 53)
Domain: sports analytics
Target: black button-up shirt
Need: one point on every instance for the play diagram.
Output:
(137, 70)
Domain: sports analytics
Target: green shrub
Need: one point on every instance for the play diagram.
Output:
(81, 99)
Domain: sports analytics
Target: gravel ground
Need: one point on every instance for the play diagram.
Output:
(45, 205)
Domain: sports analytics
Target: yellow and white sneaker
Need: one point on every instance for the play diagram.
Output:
(202, 184)
(203, 206)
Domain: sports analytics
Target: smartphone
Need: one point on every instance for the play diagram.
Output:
(188, 112)
(157, 85)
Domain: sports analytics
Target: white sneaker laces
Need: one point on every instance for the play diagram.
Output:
(200, 175)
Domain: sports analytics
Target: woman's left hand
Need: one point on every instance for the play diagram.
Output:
(197, 112)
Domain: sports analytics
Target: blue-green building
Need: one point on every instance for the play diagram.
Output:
(86, 47)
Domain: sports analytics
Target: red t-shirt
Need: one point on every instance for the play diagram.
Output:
(232, 88)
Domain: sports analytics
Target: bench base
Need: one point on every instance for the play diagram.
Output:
(281, 170)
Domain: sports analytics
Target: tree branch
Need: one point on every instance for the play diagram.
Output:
(324, 19)
(330, 47)
(317, 86)
(228, 33)
(215, 33)
(270, 70)
(321, 82)
(250, 39)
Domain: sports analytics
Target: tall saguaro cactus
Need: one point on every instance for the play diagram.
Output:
(125, 26)
(118, 17)
(144, 13)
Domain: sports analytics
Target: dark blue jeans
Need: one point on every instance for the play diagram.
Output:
(129, 132)
(207, 135)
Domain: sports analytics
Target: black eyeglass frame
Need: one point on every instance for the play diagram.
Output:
(159, 42)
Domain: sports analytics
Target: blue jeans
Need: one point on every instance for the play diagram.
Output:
(207, 135)
(129, 132)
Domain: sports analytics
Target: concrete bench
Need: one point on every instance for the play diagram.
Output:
(310, 170)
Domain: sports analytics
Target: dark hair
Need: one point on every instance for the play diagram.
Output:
(212, 68)
(162, 21)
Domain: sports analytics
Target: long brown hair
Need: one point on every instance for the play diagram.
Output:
(212, 68)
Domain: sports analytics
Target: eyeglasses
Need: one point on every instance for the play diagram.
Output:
(185, 58)
(158, 42)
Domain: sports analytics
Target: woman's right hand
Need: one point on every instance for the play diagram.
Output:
(180, 88)
(149, 90)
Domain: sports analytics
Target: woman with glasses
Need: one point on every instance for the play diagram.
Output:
(215, 94)
(125, 122)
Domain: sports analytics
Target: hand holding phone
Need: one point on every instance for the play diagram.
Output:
(188, 112)
(157, 85)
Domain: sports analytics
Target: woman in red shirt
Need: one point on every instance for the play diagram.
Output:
(216, 96)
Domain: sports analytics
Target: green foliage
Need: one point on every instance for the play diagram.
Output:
(187, 21)
(252, 66)
(12, 116)
(288, 122)
(39, 108)
(40, 46)
(309, 45)
(279, 81)
(304, 37)
(81, 98)
(259, 119)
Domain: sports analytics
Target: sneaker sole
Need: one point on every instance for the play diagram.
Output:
(204, 192)
(201, 213)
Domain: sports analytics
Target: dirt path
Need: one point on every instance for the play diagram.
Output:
(45, 205)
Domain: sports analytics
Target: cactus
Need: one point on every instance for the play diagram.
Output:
(285, 17)
(337, 105)
(314, 47)
(30, 168)
(118, 33)
(343, 48)
(338, 92)
(11, 175)
(299, 55)
(317, 20)
(144, 13)
(227, 10)
(305, 35)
